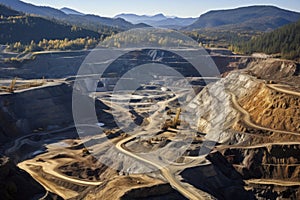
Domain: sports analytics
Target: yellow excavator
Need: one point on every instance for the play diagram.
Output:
(172, 123)
(9, 88)
(14, 86)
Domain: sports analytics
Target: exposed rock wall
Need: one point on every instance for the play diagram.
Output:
(267, 107)
(219, 179)
(16, 184)
(214, 103)
(43, 108)
(273, 68)
(256, 155)
(48, 65)
(157, 192)
(278, 162)
(273, 109)
(64, 64)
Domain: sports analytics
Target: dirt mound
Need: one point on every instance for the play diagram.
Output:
(273, 69)
(87, 169)
(273, 109)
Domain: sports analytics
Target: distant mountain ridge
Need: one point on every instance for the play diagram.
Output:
(18, 27)
(7, 12)
(133, 18)
(32, 9)
(158, 20)
(81, 20)
(70, 11)
(261, 18)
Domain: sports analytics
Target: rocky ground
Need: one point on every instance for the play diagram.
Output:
(17, 184)
(245, 145)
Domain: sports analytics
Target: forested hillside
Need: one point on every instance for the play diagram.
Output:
(259, 18)
(90, 22)
(24, 28)
(23, 32)
(7, 12)
(284, 41)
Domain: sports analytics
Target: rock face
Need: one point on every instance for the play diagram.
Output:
(273, 68)
(276, 71)
(64, 64)
(219, 179)
(157, 192)
(267, 107)
(273, 109)
(44, 108)
(228, 63)
(278, 162)
(133, 188)
(26, 113)
(48, 65)
(16, 184)
(257, 132)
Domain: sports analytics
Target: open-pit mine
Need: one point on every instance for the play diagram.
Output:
(244, 143)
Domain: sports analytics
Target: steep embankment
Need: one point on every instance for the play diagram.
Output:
(45, 64)
(273, 109)
(16, 184)
(135, 187)
(41, 109)
(62, 64)
(22, 113)
(274, 69)
(29, 120)
(257, 126)
(270, 107)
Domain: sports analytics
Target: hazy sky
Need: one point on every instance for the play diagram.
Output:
(182, 8)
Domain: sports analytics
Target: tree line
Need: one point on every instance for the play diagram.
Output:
(46, 45)
(283, 42)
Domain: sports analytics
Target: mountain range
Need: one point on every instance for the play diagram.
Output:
(257, 18)
(158, 20)
(262, 18)
(70, 16)
(70, 11)
(18, 27)
(39, 22)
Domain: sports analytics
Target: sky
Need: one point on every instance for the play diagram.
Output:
(180, 8)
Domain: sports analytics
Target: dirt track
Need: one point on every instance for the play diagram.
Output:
(275, 87)
(165, 171)
(247, 119)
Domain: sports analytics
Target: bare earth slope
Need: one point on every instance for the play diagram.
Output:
(261, 135)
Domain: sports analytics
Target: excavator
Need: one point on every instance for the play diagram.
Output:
(11, 87)
(172, 123)
(14, 86)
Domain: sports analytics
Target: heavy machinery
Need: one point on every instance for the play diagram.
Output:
(172, 123)
(11, 87)
(14, 86)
